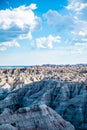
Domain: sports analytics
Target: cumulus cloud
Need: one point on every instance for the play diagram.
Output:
(79, 8)
(80, 28)
(20, 17)
(80, 33)
(18, 23)
(54, 18)
(47, 42)
(76, 5)
(73, 27)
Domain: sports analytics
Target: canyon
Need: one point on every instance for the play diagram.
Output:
(43, 98)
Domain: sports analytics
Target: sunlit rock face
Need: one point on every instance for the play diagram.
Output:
(17, 78)
(39, 105)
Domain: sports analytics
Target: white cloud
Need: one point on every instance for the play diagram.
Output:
(47, 42)
(71, 27)
(5, 45)
(81, 44)
(80, 29)
(80, 47)
(76, 6)
(33, 6)
(21, 17)
(81, 33)
(54, 18)
(24, 36)
(3, 48)
(78, 9)
(18, 23)
(62, 23)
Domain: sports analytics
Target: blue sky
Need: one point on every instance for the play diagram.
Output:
(36, 32)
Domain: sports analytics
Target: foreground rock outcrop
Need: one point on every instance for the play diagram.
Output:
(38, 117)
(7, 127)
(39, 105)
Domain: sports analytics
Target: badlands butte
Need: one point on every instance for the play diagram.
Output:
(44, 98)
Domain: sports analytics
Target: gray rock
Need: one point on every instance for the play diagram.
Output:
(7, 127)
(34, 101)
(38, 117)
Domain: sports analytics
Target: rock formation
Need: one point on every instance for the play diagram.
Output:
(7, 127)
(11, 78)
(43, 98)
(39, 105)
(38, 117)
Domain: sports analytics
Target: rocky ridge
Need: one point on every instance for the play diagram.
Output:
(38, 117)
(11, 78)
(50, 103)
(53, 96)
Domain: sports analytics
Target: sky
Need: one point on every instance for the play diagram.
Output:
(36, 32)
